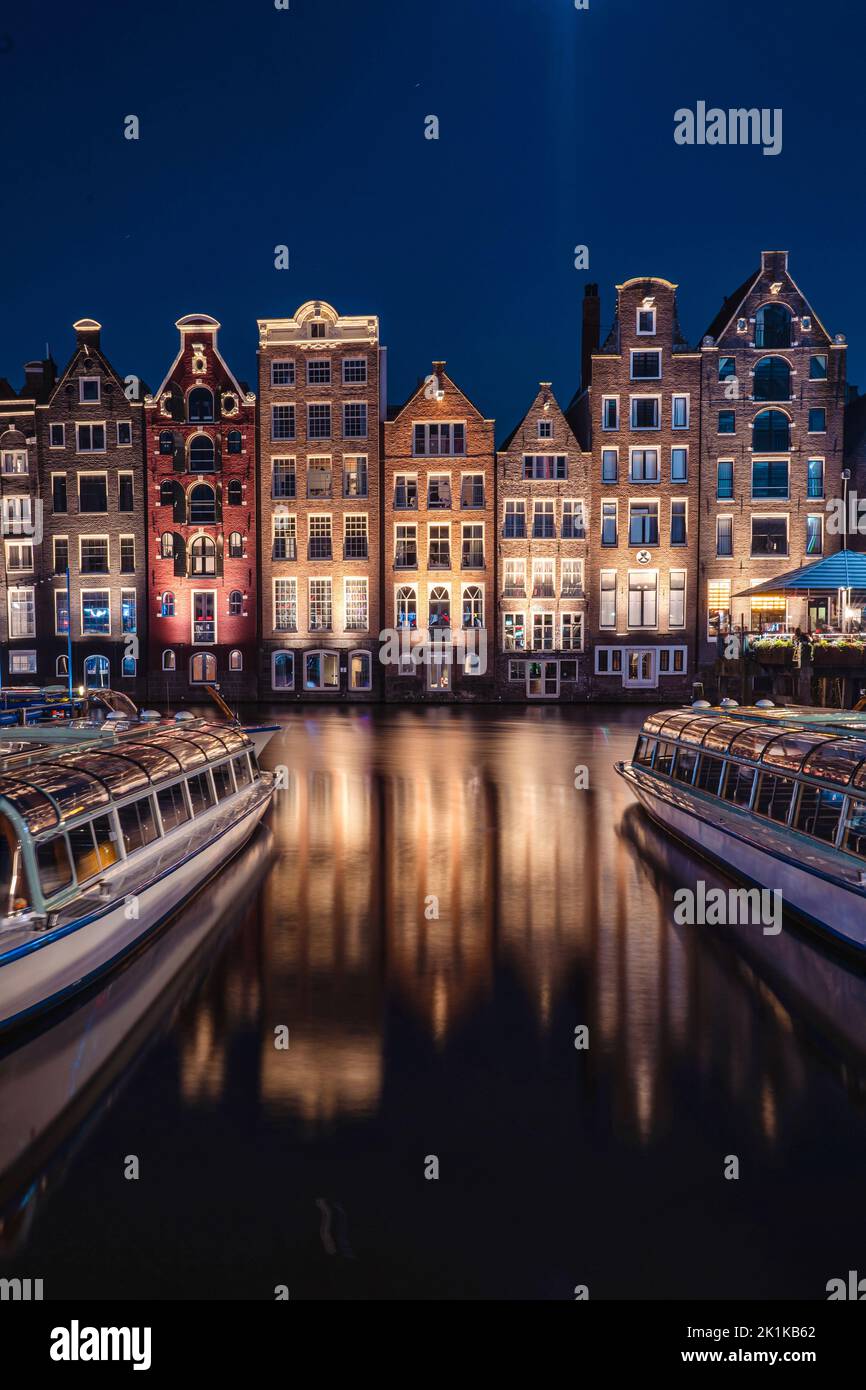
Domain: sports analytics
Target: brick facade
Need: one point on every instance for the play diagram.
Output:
(21, 565)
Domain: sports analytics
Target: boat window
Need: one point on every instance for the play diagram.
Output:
(719, 737)
(200, 793)
(818, 812)
(665, 757)
(55, 869)
(137, 824)
(222, 780)
(32, 806)
(643, 753)
(254, 764)
(172, 806)
(106, 841)
(836, 760)
(14, 894)
(243, 776)
(738, 784)
(709, 773)
(790, 750)
(86, 852)
(773, 797)
(686, 761)
(750, 743)
(854, 834)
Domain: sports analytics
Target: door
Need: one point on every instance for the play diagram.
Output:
(542, 680)
(640, 668)
(819, 615)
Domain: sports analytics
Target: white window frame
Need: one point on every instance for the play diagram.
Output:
(645, 396)
(86, 634)
(90, 425)
(284, 651)
(609, 429)
(643, 351)
(82, 380)
(681, 396)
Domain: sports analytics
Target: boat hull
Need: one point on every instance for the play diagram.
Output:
(836, 908)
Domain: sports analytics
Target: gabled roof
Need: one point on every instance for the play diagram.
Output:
(729, 308)
(394, 412)
(544, 393)
(84, 350)
(187, 325)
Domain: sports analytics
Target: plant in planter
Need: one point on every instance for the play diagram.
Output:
(773, 651)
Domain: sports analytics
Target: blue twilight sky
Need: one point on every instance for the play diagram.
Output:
(306, 127)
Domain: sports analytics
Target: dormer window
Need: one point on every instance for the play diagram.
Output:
(88, 390)
(318, 330)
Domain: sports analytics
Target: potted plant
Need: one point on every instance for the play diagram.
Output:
(773, 651)
(847, 652)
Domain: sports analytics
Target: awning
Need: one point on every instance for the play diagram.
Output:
(844, 570)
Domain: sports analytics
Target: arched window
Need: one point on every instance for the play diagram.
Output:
(407, 606)
(234, 441)
(236, 603)
(440, 606)
(202, 556)
(202, 505)
(773, 326)
(169, 661)
(166, 545)
(167, 604)
(96, 672)
(473, 605)
(360, 671)
(236, 493)
(166, 442)
(200, 405)
(321, 671)
(283, 671)
(201, 454)
(166, 492)
(236, 546)
(61, 666)
(236, 660)
(128, 666)
(202, 668)
(771, 432)
(772, 380)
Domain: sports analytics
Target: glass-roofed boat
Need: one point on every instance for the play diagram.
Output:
(771, 795)
(104, 832)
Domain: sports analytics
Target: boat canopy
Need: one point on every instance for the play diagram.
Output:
(48, 794)
(826, 756)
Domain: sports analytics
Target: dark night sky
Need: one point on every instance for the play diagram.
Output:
(305, 127)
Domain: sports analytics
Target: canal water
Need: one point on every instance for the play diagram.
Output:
(441, 898)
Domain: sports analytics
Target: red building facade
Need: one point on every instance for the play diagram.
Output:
(201, 521)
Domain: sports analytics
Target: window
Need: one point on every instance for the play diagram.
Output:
(236, 660)
(609, 465)
(645, 412)
(545, 466)
(94, 554)
(817, 420)
(472, 491)
(438, 441)
(718, 607)
(680, 413)
(773, 326)
(677, 599)
(92, 492)
(772, 380)
(166, 545)
(818, 368)
(545, 429)
(610, 412)
(22, 663)
(406, 547)
(283, 478)
(439, 547)
(203, 556)
(644, 465)
(571, 578)
(608, 523)
(166, 442)
(643, 525)
(96, 672)
(168, 660)
(355, 476)
(236, 604)
(405, 492)
(355, 543)
(646, 322)
(514, 522)
(88, 390)
(573, 523)
(543, 579)
(282, 373)
(642, 599)
(355, 420)
(815, 476)
(725, 536)
(173, 809)
(407, 606)
(769, 535)
(814, 535)
(725, 479)
(679, 465)
(771, 432)
(514, 632)
(285, 538)
(125, 494)
(22, 613)
(678, 522)
(19, 555)
(572, 632)
(320, 546)
(321, 671)
(727, 368)
(282, 422)
(773, 797)
(58, 492)
(726, 422)
(360, 671)
(90, 439)
(56, 436)
(236, 545)
(166, 492)
(285, 605)
(234, 442)
(607, 612)
(608, 661)
(235, 493)
(319, 421)
(167, 604)
(202, 668)
(200, 794)
(543, 519)
(818, 812)
(357, 619)
(321, 613)
(61, 554)
(95, 612)
(202, 505)
(318, 371)
(646, 365)
(514, 585)
(318, 330)
(61, 666)
(769, 479)
(124, 433)
(354, 371)
(200, 405)
(439, 491)
(283, 671)
(542, 632)
(319, 478)
(202, 457)
(15, 462)
(473, 605)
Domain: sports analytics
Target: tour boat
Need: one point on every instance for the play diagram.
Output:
(771, 797)
(105, 831)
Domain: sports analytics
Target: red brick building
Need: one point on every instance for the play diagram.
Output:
(201, 520)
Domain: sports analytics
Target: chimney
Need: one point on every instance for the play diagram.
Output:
(87, 332)
(590, 334)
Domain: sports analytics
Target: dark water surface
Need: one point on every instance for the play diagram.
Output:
(414, 1035)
